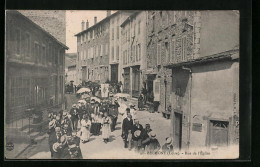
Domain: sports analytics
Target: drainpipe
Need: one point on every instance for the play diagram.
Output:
(189, 133)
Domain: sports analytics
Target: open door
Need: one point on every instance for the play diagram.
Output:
(177, 130)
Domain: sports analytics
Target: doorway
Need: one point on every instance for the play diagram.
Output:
(177, 130)
(218, 133)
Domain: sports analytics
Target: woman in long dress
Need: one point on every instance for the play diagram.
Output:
(85, 129)
(106, 121)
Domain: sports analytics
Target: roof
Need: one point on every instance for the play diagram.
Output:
(40, 28)
(129, 18)
(98, 23)
(231, 55)
(70, 60)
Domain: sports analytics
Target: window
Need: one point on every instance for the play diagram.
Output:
(153, 26)
(167, 53)
(117, 52)
(158, 54)
(18, 41)
(134, 29)
(43, 55)
(139, 27)
(183, 48)
(117, 32)
(112, 33)
(167, 18)
(93, 34)
(136, 53)
(139, 51)
(36, 52)
(94, 55)
(27, 41)
(173, 57)
(112, 54)
(99, 50)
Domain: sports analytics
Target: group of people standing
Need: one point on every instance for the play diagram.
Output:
(142, 139)
(68, 129)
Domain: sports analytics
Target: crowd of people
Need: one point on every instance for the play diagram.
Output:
(69, 129)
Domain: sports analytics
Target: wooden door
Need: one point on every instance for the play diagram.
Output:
(177, 130)
(218, 133)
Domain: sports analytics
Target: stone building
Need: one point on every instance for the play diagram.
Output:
(93, 51)
(52, 21)
(70, 68)
(194, 62)
(115, 38)
(133, 52)
(34, 66)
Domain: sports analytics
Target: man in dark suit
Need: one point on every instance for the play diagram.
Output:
(113, 113)
(74, 112)
(55, 138)
(91, 107)
(127, 128)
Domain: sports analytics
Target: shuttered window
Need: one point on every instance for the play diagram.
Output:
(159, 54)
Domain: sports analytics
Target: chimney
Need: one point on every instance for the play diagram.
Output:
(87, 24)
(95, 20)
(82, 25)
(108, 13)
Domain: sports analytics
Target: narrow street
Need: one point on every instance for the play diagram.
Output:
(96, 148)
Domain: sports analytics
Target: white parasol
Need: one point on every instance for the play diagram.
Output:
(122, 95)
(82, 90)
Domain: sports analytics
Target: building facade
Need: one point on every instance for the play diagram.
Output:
(34, 66)
(187, 54)
(52, 21)
(115, 58)
(133, 52)
(70, 68)
(93, 52)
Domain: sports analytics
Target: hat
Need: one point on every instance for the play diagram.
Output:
(64, 114)
(55, 147)
(63, 140)
(74, 106)
(96, 102)
(137, 133)
(168, 140)
(153, 134)
(147, 125)
(127, 109)
(92, 101)
(51, 124)
(132, 105)
(57, 129)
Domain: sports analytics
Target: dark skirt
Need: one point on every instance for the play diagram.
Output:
(95, 128)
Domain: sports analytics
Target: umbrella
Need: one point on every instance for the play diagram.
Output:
(82, 101)
(96, 99)
(82, 90)
(122, 95)
(85, 96)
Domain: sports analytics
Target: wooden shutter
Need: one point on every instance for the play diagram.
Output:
(156, 90)
(159, 51)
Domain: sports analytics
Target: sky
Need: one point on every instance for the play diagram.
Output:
(73, 24)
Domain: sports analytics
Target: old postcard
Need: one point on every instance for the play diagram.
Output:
(125, 84)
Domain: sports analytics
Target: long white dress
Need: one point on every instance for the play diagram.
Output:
(106, 121)
(85, 130)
